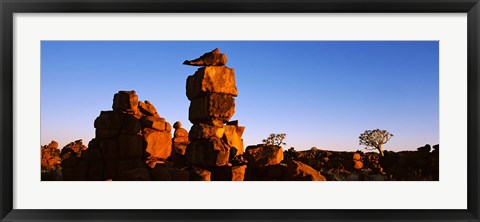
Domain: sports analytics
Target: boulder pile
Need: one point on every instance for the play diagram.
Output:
(215, 141)
(50, 163)
(129, 138)
(130, 141)
(74, 163)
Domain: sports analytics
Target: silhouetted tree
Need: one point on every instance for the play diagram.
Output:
(275, 139)
(374, 139)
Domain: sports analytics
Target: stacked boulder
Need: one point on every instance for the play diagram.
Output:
(50, 163)
(130, 140)
(357, 161)
(50, 156)
(179, 144)
(214, 140)
(74, 161)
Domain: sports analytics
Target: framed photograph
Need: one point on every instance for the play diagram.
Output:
(252, 111)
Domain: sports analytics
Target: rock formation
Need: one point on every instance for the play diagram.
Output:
(213, 58)
(74, 161)
(130, 141)
(50, 156)
(214, 141)
(357, 161)
(50, 163)
(179, 144)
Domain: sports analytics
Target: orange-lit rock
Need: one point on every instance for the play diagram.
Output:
(263, 155)
(158, 144)
(157, 123)
(238, 172)
(180, 139)
(233, 138)
(147, 108)
(357, 161)
(356, 156)
(211, 79)
(298, 171)
(213, 58)
(205, 131)
(50, 157)
(358, 165)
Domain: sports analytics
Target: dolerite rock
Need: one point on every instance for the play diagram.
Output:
(357, 161)
(156, 123)
(180, 139)
(205, 131)
(211, 79)
(263, 155)
(126, 101)
(233, 137)
(208, 152)
(158, 144)
(147, 108)
(213, 106)
(199, 174)
(130, 146)
(74, 165)
(95, 161)
(50, 157)
(424, 149)
(298, 171)
(130, 139)
(238, 172)
(213, 58)
(211, 91)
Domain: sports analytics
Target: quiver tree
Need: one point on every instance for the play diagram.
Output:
(374, 139)
(275, 139)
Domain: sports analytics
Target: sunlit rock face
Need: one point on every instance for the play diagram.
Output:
(213, 58)
(130, 141)
(214, 141)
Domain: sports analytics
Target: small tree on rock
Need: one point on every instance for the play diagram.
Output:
(374, 139)
(275, 139)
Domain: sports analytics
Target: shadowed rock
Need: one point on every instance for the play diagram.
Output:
(208, 152)
(200, 174)
(213, 58)
(215, 106)
(126, 101)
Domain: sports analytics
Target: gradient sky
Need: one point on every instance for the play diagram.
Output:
(320, 93)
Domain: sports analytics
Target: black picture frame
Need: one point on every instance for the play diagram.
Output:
(9, 7)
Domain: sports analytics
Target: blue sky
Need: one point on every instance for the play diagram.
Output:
(320, 93)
